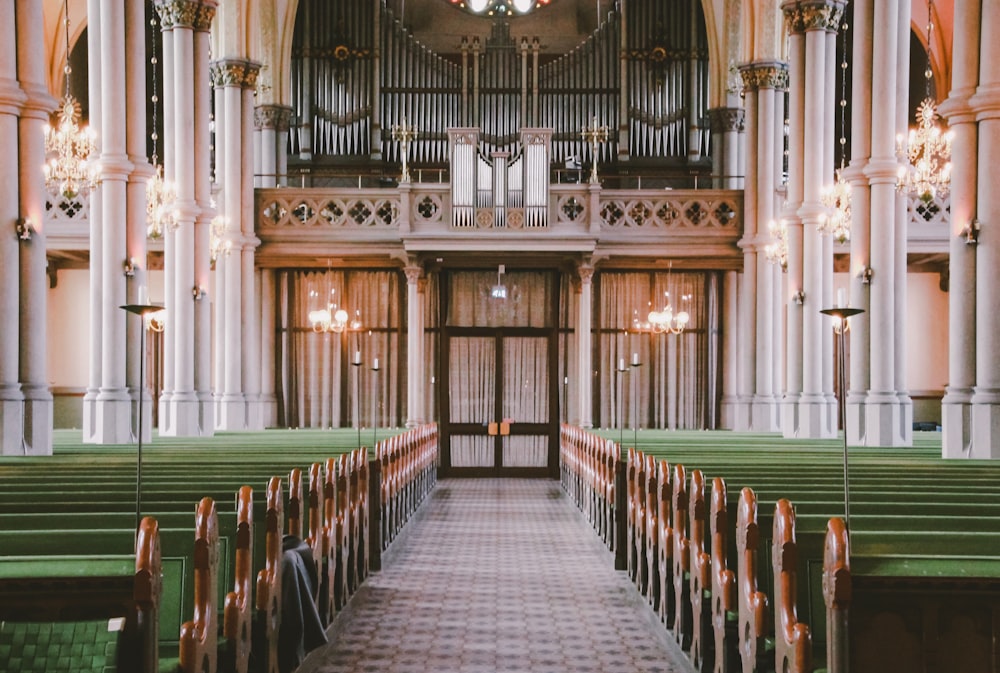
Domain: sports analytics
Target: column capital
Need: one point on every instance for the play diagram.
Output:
(585, 272)
(764, 75)
(802, 16)
(277, 117)
(413, 273)
(234, 72)
(196, 14)
(724, 119)
(957, 108)
(11, 96)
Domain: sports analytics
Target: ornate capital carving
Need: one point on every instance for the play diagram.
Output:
(765, 75)
(235, 72)
(805, 15)
(586, 272)
(276, 117)
(413, 274)
(196, 14)
(723, 119)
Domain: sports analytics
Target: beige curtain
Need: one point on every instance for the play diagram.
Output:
(317, 384)
(673, 385)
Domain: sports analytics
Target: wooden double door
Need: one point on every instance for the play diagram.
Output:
(500, 406)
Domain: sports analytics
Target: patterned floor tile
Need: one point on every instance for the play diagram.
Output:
(498, 576)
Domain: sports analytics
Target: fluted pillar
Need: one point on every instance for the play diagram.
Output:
(726, 124)
(272, 123)
(415, 410)
(813, 20)
(986, 103)
(956, 407)
(36, 435)
(186, 408)
(233, 78)
(268, 398)
(761, 81)
(12, 98)
(861, 115)
(883, 413)
(583, 339)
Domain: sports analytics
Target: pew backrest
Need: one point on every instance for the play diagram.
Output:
(752, 602)
(793, 641)
(238, 610)
(199, 636)
(268, 602)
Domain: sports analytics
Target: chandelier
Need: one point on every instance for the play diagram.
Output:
(500, 7)
(777, 250)
(160, 194)
(665, 321)
(68, 146)
(926, 151)
(331, 318)
(837, 197)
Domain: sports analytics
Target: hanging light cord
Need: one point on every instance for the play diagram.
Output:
(929, 73)
(154, 136)
(66, 68)
(843, 90)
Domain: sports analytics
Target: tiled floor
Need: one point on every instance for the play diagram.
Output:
(498, 575)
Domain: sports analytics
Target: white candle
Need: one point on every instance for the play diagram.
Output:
(376, 364)
(565, 380)
(840, 298)
(357, 357)
(621, 364)
(635, 358)
(142, 294)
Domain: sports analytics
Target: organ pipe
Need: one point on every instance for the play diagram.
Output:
(356, 70)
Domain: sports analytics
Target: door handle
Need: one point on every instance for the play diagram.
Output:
(504, 428)
(492, 429)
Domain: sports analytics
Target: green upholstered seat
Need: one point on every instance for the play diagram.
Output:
(60, 647)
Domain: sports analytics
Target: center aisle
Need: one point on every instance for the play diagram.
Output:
(498, 575)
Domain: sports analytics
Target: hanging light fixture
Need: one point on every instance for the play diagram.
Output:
(330, 318)
(926, 151)
(837, 197)
(777, 250)
(160, 194)
(665, 320)
(68, 146)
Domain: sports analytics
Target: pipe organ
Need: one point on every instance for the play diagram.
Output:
(357, 72)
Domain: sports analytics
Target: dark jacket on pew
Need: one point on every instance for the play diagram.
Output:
(301, 627)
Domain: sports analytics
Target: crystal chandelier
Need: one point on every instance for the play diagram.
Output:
(926, 151)
(665, 321)
(331, 318)
(68, 146)
(837, 197)
(160, 194)
(777, 250)
(500, 7)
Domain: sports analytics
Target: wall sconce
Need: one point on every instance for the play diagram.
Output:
(128, 267)
(866, 274)
(23, 229)
(799, 298)
(971, 232)
(198, 292)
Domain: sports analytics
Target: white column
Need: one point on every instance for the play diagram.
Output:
(414, 347)
(882, 413)
(203, 220)
(113, 402)
(96, 217)
(583, 340)
(765, 409)
(135, 226)
(165, 411)
(815, 408)
(861, 114)
(986, 103)
(228, 75)
(37, 429)
(794, 282)
(904, 429)
(747, 340)
(11, 100)
(956, 408)
(250, 310)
